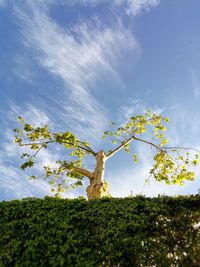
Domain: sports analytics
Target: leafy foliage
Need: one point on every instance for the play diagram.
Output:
(137, 231)
(173, 165)
(40, 138)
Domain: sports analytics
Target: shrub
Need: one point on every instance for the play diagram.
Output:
(136, 231)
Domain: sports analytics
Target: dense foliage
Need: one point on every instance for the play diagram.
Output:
(135, 231)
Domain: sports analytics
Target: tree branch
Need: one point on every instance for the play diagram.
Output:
(89, 150)
(37, 151)
(147, 142)
(79, 170)
(113, 152)
(38, 143)
(84, 147)
(185, 148)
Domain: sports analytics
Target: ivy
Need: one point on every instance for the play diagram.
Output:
(135, 231)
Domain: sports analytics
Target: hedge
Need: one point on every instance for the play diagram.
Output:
(135, 231)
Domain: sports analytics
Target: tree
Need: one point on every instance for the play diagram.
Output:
(171, 164)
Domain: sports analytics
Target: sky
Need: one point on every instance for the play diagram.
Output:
(78, 64)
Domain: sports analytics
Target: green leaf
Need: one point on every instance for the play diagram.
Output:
(20, 119)
(27, 164)
(135, 158)
(166, 119)
(28, 127)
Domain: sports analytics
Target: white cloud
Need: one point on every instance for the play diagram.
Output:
(133, 7)
(29, 112)
(136, 6)
(14, 184)
(88, 118)
(180, 119)
(78, 55)
(13, 181)
(184, 126)
(136, 107)
(22, 68)
(132, 179)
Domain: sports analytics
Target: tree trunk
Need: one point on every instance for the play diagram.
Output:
(98, 187)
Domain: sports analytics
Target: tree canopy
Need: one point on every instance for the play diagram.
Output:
(172, 164)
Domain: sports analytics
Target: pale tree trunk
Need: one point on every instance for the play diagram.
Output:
(98, 187)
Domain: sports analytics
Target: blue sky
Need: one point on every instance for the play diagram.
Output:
(79, 64)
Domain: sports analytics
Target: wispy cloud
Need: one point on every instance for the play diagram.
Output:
(13, 181)
(17, 184)
(78, 55)
(23, 68)
(132, 7)
(184, 126)
(136, 107)
(182, 121)
(29, 112)
(14, 184)
(136, 6)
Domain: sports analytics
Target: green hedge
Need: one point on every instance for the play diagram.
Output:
(116, 232)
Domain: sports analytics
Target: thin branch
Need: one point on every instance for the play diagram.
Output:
(184, 148)
(165, 148)
(37, 151)
(113, 152)
(92, 151)
(30, 144)
(154, 145)
(84, 147)
(81, 147)
(147, 142)
(89, 150)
